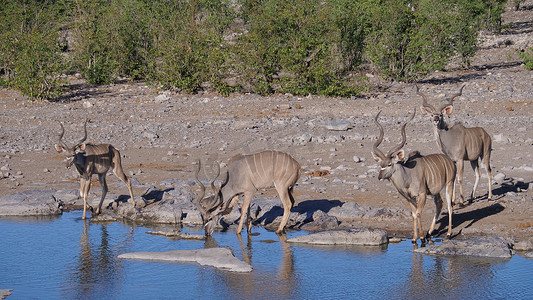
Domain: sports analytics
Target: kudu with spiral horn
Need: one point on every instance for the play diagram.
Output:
(416, 177)
(92, 159)
(460, 143)
(245, 175)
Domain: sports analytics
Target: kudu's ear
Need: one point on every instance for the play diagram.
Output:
(424, 110)
(82, 147)
(59, 148)
(447, 110)
(400, 155)
(376, 157)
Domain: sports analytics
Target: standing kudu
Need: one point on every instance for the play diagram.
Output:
(460, 143)
(246, 174)
(415, 177)
(93, 159)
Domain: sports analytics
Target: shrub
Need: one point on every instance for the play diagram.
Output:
(31, 54)
(527, 57)
(298, 47)
(189, 44)
(112, 40)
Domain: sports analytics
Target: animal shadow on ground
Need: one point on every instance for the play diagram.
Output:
(509, 185)
(469, 217)
(308, 207)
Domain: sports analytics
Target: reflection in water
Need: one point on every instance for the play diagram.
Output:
(97, 269)
(448, 277)
(280, 284)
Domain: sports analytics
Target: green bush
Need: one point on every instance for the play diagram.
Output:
(112, 39)
(262, 46)
(299, 47)
(527, 57)
(409, 39)
(31, 57)
(189, 44)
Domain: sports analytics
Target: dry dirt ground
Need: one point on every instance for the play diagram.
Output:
(161, 134)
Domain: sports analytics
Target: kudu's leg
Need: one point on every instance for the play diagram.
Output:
(119, 172)
(287, 201)
(413, 215)
(486, 164)
(86, 188)
(103, 183)
(438, 207)
(82, 187)
(450, 187)
(245, 208)
(460, 169)
(419, 206)
(477, 171)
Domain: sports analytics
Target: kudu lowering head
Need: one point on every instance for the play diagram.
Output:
(71, 153)
(395, 155)
(210, 207)
(437, 116)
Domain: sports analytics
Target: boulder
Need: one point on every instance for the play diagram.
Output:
(525, 245)
(30, 203)
(338, 125)
(357, 236)
(5, 293)
(220, 258)
(321, 221)
(483, 246)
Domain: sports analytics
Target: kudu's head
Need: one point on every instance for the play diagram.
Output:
(210, 207)
(72, 153)
(395, 155)
(437, 116)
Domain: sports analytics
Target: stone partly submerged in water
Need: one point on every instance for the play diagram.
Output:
(5, 293)
(220, 258)
(30, 203)
(483, 246)
(357, 236)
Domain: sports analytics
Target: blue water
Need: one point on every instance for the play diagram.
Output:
(67, 258)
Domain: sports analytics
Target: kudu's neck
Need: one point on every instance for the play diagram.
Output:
(400, 177)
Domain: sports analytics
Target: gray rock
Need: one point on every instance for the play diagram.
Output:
(321, 221)
(356, 236)
(499, 178)
(358, 159)
(220, 258)
(529, 255)
(4, 293)
(30, 203)
(526, 245)
(150, 135)
(485, 246)
(338, 125)
(348, 211)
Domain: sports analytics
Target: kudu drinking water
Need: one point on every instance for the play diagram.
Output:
(415, 177)
(92, 159)
(460, 143)
(245, 175)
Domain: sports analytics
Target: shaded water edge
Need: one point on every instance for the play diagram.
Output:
(68, 258)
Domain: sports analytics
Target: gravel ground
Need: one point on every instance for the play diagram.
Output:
(161, 134)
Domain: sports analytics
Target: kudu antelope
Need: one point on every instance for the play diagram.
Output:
(245, 175)
(460, 143)
(415, 177)
(92, 159)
